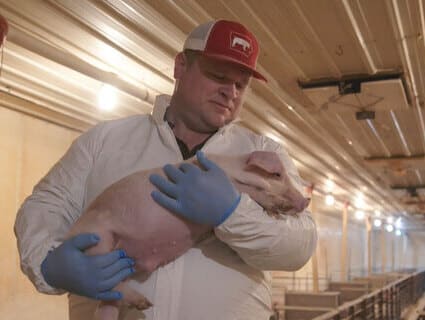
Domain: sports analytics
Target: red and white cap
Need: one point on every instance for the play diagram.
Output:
(4, 28)
(226, 40)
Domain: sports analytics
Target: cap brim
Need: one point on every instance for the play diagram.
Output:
(255, 73)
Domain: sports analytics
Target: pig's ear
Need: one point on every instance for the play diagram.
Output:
(267, 161)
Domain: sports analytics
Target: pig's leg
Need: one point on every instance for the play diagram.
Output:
(105, 310)
(132, 297)
(109, 310)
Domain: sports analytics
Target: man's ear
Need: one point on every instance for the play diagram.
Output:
(180, 64)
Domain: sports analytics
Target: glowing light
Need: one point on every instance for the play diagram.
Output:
(398, 223)
(377, 223)
(390, 220)
(329, 200)
(107, 97)
(359, 202)
(360, 215)
(330, 185)
(398, 233)
(377, 213)
(108, 54)
(389, 227)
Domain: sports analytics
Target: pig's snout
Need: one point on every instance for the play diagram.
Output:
(303, 204)
(297, 200)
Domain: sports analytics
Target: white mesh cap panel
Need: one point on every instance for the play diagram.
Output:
(197, 39)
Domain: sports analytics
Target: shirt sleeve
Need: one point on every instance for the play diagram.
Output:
(56, 202)
(283, 242)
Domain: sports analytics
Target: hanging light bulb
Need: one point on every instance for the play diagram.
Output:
(107, 97)
(360, 215)
(329, 200)
(398, 223)
(359, 201)
(377, 223)
(330, 185)
(389, 227)
(398, 232)
(390, 220)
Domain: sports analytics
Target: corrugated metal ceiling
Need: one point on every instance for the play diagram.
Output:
(59, 54)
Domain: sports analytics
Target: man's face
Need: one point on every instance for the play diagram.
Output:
(209, 92)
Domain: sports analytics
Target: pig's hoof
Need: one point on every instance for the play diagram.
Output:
(141, 304)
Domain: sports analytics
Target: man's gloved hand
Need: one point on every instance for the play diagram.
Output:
(202, 196)
(68, 267)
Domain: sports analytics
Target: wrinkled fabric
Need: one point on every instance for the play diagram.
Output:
(223, 277)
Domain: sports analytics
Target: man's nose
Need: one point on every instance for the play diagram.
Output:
(229, 90)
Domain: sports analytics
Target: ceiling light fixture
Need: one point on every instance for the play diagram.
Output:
(398, 223)
(329, 200)
(330, 185)
(389, 227)
(359, 202)
(360, 214)
(107, 97)
(377, 223)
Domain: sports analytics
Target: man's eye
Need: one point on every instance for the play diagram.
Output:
(240, 86)
(217, 76)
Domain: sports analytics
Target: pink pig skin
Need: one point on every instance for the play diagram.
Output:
(125, 216)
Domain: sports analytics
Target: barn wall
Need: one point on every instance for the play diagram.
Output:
(389, 253)
(28, 148)
(328, 254)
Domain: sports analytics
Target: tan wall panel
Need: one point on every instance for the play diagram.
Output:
(330, 234)
(329, 252)
(9, 185)
(409, 250)
(401, 252)
(28, 148)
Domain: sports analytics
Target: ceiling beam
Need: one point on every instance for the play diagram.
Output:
(396, 187)
(38, 111)
(73, 62)
(397, 163)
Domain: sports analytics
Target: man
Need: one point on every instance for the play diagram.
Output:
(222, 277)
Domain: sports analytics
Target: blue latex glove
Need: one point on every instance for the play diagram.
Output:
(204, 196)
(68, 267)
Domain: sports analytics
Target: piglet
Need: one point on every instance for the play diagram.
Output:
(125, 216)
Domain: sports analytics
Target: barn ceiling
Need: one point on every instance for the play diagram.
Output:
(345, 92)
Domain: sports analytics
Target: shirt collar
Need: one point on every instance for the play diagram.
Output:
(160, 105)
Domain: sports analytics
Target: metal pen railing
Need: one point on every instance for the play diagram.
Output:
(305, 283)
(386, 303)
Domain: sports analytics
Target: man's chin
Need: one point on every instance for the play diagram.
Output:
(218, 123)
